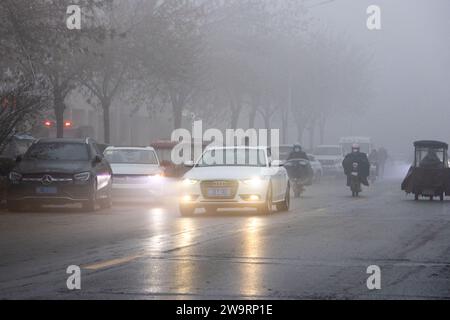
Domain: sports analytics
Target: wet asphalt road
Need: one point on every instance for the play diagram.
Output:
(319, 249)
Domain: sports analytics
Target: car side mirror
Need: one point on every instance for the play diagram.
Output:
(19, 158)
(97, 159)
(276, 163)
(189, 163)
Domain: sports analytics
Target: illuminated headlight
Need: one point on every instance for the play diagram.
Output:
(189, 197)
(189, 182)
(15, 176)
(157, 176)
(84, 176)
(254, 182)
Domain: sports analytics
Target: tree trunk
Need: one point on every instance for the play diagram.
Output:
(253, 112)
(312, 136)
(267, 119)
(284, 125)
(300, 130)
(322, 124)
(59, 112)
(106, 121)
(177, 116)
(234, 118)
(252, 117)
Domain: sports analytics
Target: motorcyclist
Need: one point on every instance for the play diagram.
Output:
(363, 164)
(298, 171)
(297, 153)
(374, 160)
(382, 158)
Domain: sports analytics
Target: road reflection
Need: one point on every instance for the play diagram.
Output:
(251, 278)
(184, 269)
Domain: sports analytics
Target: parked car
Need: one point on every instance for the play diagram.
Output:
(136, 171)
(60, 171)
(226, 177)
(316, 166)
(6, 165)
(330, 158)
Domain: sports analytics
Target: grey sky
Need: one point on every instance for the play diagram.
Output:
(411, 57)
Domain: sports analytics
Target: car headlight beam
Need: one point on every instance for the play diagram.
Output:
(254, 182)
(189, 182)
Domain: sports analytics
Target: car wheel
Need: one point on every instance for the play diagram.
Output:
(186, 210)
(91, 204)
(106, 203)
(14, 206)
(266, 207)
(284, 206)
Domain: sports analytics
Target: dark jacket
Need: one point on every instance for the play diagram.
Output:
(298, 155)
(361, 159)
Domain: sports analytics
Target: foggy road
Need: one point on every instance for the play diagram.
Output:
(321, 248)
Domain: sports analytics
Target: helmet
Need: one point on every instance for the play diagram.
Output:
(355, 147)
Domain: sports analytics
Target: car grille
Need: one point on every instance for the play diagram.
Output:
(327, 162)
(54, 177)
(131, 179)
(232, 184)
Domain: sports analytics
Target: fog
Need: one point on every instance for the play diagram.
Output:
(312, 68)
(411, 59)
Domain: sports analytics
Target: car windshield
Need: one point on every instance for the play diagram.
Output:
(430, 158)
(327, 151)
(233, 157)
(131, 156)
(58, 151)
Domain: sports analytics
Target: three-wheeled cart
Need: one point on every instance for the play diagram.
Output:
(429, 175)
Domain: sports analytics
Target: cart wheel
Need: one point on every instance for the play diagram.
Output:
(416, 196)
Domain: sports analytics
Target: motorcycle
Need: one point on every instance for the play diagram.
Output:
(300, 173)
(355, 183)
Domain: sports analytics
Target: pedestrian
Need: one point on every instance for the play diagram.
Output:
(382, 158)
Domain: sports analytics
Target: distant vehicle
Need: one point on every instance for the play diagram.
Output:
(429, 175)
(365, 144)
(316, 166)
(60, 171)
(163, 149)
(330, 158)
(300, 174)
(136, 171)
(235, 177)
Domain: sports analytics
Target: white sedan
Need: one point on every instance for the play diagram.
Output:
(235, 177)
(137, 173)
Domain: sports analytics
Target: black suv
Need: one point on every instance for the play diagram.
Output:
(60, 171)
